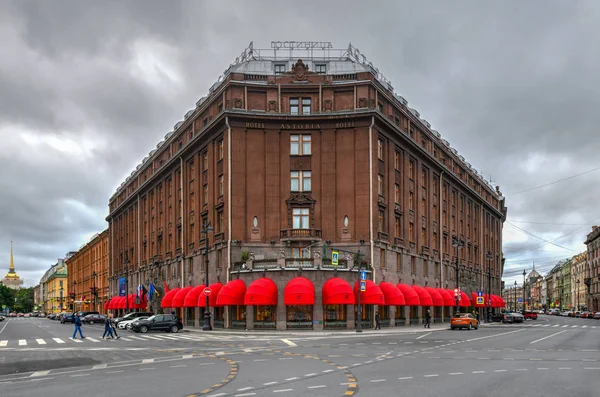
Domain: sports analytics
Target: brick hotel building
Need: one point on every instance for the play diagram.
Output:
(296, 152)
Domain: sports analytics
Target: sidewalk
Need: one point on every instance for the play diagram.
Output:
(411, 329)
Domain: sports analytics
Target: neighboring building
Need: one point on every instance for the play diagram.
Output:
(566, 285)
(36, 297)
(292, 157)
(53, 288)
(88, 274)
(544, 297)
(578, 274)
(592, 277)
(12, 279)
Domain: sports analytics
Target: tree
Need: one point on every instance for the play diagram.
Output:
(24, 300)
(7, 296)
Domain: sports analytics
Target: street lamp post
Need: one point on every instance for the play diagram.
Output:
(95, 290)
(206, 228)
(74, 294)
(577, 295)
(515, 296)
(524, 275)
(489, 258)
(457, 243)
(61, 298)
(126, 263)
(359, 307)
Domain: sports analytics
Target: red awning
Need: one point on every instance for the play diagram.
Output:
(191, 299)
(110, 303)
(232, 294)
(410, 295)
(261, 292)
(106, 304)
(372, 296)
(299, 291)
(215, 288)
(118, 302)
(392, 295)
(167, 300)
(436, 297)
(446, 296)
(337, 291)
(474, 300)
(424, 297)
(180, 297)
(497, 302)
(464, 300)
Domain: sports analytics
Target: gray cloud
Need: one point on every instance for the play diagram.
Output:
(86, 90)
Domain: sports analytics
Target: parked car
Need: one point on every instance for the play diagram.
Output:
(464, 320)
(128, 324)
(531, 315)
(498, 317)
(131, 316)
(596, 316)
(513, 317)
(66, 318)
(94, 319)
(158, 322)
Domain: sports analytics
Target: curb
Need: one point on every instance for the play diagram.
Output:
(393, 331)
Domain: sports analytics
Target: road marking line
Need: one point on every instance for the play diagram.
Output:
(588, 359)
(291, 358)
(499, 370)
(245, 388)
(589, 350)
(177, 366)
(146, 369)
(99, 366)
(478, 372)
(591, 368)
(39, 373)
(455, 373)
(135, 337)
(294, 378)
(261, 360)
(327, 371)
(406, 377)
(542, 369)
(546, 337)
(3, 343)
(147, 361)
(76, 340)
(22, 342)
(218, 394)
(535, 359)
(574, 326)
(270, 383)
(431, 376)
(114, 372)
(40, 341)
(564, 368)
(313, 374)
(565, 326)
(555, 325)
(282, 390)
(585, 326)
(521, 369)
(245, 394)
(77, 375)
(316, 387)
(377, 380)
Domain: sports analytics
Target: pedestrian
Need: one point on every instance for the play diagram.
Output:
(427, 319)
(377, 320)
(77, 322)
(108, 328)
(113, 327)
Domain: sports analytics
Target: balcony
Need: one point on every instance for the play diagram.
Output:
(292, 263)
(300, 234)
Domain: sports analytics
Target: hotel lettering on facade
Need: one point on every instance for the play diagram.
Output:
(289, 158)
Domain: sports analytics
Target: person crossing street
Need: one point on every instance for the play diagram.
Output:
(77, 323)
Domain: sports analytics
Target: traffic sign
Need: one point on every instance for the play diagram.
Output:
(480, 300)
(207, 291)
(334, 258)
(479, 293)
(520, 300)
(363, 274)
(363, 286)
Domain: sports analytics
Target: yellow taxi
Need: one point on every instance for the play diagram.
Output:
(464, 320)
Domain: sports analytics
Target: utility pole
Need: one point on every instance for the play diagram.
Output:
(359, 308)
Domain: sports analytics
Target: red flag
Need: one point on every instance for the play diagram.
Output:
(166, 287)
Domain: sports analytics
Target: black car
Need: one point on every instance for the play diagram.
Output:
(94, 319)
(158, 322)
(131, 316)
(66, 318)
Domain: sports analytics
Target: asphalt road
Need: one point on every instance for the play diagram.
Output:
(553, 356)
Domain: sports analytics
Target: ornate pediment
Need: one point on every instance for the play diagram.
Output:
(300, 199)
(299, 71)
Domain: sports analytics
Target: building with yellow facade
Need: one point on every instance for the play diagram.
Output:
(54, 288)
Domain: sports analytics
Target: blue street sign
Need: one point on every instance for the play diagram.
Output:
(363, 274)
(479, 293)
(363, 286)
(520, 300)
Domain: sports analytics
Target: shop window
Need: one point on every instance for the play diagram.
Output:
(299, 316)
(334, 316)
(238, 317)
(264, 316)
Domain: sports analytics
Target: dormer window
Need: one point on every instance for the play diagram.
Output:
(279, 68)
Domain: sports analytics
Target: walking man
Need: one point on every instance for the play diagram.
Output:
(427, 319)
(107, 328)
(77, 322)
(113, 326)
(377, 320)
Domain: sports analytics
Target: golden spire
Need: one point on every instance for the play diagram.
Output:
(12, 261)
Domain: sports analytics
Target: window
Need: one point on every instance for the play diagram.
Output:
(300, 218)
(205, 194)
(411, 169)
(221, 149)
(219, 258)
(380, 149)
(380, 184)
(398, 227)
(396, 193)
(380, 107)
(435, 240)
(411, 232)
(381, 220)
(306, 104)
(300, 181)
(423, 236)
(435, 186)
(423, 206)
(413, 265)
(399, 262)
(221, 178)
(397, 161)
(382, 258)
(204, 161)
(279, 68)
(294, 106)
(299, 145)
(220, 222)
(425, 268)
(411, 201)
(321, 68)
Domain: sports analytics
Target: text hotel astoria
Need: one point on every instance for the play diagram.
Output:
(290, 153)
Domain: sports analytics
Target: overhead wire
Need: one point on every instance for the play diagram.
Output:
(538, 237)
(555, 182)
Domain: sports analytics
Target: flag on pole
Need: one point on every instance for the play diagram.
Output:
(166, 287)
(151, 292)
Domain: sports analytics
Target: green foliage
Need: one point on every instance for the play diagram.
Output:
(17, 301)
(7, 296)
(245, 256)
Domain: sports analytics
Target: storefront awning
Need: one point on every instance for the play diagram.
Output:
(464, 299)
(424, 297)
(410, 295)
(180, 297)
(141, 305)
(215, 288)
(167, 300)
(392, 295)
(119, 303)
(446, 296)
(232, 294)
(299, 291)
(497, 302)
(191, 299)
(261, 292)
(106, 304)
(337, 291)
(372, 296)
(436, 297)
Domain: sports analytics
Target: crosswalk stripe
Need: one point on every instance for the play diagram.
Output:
(135, 337)
(149, 337)
(585, 326)
(573, 326)
(165, 337)
(565, 326)
(126, 339)
(555, 325)
(3, 343)
(22, 342)
(92, 339)
(58, 340)
(40, 341)
(76, 340)
(593, 326)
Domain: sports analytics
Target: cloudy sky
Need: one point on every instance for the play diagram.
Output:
(88, 88)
